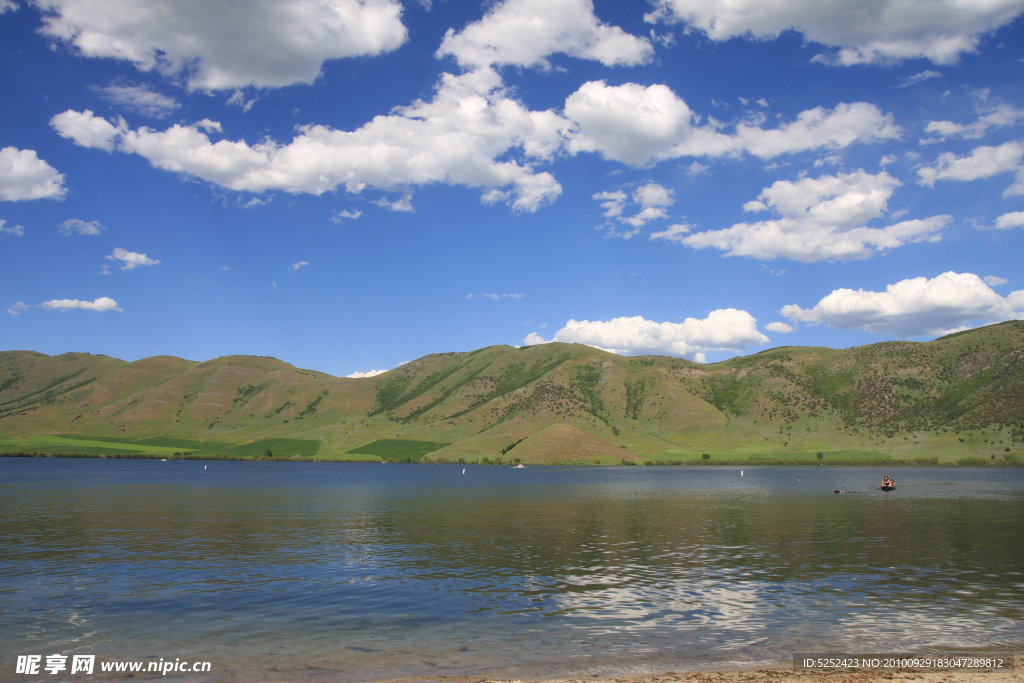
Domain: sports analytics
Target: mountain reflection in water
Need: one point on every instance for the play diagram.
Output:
(363, 572)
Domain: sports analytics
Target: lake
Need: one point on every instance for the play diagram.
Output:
(358, 572)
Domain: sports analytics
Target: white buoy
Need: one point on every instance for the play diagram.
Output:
(463, 470)
(204, 467)
(741, 473)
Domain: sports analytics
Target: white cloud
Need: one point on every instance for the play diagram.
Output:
(104, 270)
(86, 129)
(295, 266)
(999, 116)
(1010, 220)
(141, 99)
(912, 308)
(18, 307)
(457, 138)
(74, 226)
(781, 328)
(638, 125)
(495, 297)
(403, 204)
(994, 280)
(819, 218)
(238, 99)
(346, 214)
(524, 32)
(23, 175)
(8, 6)
(983, 162)
(368, 373)
(695, 169)
(726, 329)
(533, 339)
(15, 230)
(651, 198)
(883, 31)
(220, 44)
(612, 202)
(131, 259)
(919, 77)
(103, 303)
(673, 233)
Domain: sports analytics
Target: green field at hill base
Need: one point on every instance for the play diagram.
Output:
(398, 450)
(155, 446)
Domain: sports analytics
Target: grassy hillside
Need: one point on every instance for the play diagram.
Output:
(960, 396)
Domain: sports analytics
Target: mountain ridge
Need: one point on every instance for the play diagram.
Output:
(901, 399)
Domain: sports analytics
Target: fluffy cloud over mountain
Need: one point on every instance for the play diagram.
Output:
(912, 308)
(724, 329)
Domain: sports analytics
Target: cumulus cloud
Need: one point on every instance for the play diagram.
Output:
(141, 99)
(639, 125)
(916, 307)
(295, 266)
(402, 204)
(13, 230)
(368, 373)
(818, 218)
(74, 226)
(86, 129)
(131, 259)
(221, 44)
(456, 138)
(18, 307)
(781, 328)
(23, 175)
(651, 199)
(983, 162)
(883, 31)
(673, 233)
(346, 214)
(103, 303)
(726, 329)
(1010, 220)
(525, 32)
(999, 116)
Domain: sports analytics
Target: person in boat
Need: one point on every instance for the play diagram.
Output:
(886, 481)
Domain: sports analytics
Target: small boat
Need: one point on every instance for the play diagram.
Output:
(520, 466)
(887, 488)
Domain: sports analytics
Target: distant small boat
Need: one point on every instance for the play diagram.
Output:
(163, 459)
(520, 466)
(887, 488)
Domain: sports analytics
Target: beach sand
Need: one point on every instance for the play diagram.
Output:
(794, 676)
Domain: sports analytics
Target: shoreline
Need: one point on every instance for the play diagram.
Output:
(924, 463)
(789, 675)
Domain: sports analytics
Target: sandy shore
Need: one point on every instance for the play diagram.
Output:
(791, 676)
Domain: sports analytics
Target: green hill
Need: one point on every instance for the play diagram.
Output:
(961, 396)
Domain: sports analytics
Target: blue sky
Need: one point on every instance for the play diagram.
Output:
(350, 185)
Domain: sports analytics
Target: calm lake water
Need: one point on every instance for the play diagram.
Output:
(367, 572)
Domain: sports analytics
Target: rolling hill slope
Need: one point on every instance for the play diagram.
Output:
(958, 396)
